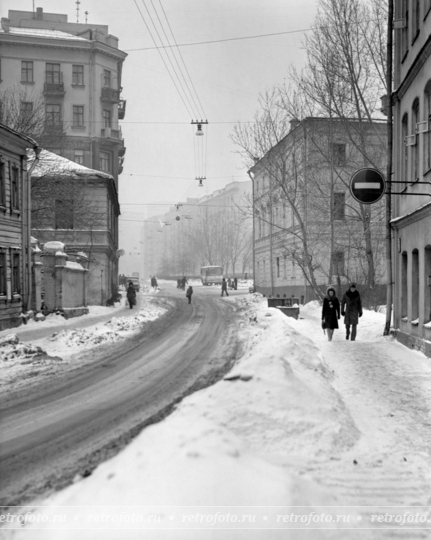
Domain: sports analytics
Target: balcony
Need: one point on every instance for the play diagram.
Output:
(54, 85)
(110, 95)
(122, 109)
(110, 133)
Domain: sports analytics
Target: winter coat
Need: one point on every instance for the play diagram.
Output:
(131, 293)
(189, 291)
(223, 285)
(351, 305)
(331, 310)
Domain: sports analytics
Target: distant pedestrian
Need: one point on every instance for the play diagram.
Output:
(131, 294)
(189, 293)
(229, 283)
(351, 308)
(330, 312)
(246, 276)
(235, 283)
(224, 287)
(184, 282)
(154, 283)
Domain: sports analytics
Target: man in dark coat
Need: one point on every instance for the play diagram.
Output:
(184, 282)
(351, 308)
(131, 294)
(189, 293)
(330, 311)
(224, 287)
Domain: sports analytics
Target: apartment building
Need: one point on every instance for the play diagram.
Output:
(412, 174)
(73, 71)
(308, 230)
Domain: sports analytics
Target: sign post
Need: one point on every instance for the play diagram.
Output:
(367, 186)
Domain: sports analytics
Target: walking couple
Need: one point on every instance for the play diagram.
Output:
(351, 309)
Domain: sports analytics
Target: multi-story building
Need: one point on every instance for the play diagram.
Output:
(412, 174)
(308, 230)
(212, 230)
(15, 232)
(74, 70)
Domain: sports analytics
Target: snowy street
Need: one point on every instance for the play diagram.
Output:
(299, 427)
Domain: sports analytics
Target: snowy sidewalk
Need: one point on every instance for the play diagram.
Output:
(333, 433)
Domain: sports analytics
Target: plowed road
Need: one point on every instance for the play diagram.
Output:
(62, 428)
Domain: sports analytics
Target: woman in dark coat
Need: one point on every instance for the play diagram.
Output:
(330, 311)
(131, 294)
(351, 308)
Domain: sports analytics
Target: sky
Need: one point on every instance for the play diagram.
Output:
(160, 164)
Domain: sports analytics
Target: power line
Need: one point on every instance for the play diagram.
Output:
(161, 56)
(227, 39)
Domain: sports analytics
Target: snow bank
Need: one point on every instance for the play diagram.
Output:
(238, 447)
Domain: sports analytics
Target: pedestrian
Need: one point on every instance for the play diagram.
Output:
(229, 283)
(183, 283)
(189, 293)
(235, 283)
(131, 294)
(154, 283)
(351, 309)
(330, 312)
(224, 287)
(245, 276)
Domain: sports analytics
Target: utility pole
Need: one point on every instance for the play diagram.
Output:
(389, 277)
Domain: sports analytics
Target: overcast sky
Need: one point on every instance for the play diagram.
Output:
(228, 77)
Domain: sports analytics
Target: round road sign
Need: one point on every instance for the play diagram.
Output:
(367, 186)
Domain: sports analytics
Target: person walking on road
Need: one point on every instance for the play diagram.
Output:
(131, 295)
(351, 309)
(235, 283)
(330, 312)
(189, 293)
(184, 282)
(224, 287)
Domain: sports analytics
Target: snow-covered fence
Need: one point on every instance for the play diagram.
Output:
(65, 282)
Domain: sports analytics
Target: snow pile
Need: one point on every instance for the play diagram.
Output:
(11, 348)
(244, 442)
(83, 338)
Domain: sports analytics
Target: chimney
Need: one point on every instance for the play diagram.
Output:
(5, 24)
(39, 14)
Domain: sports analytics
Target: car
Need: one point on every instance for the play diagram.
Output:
(135, 281)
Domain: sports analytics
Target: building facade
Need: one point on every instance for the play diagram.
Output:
(412, 174)
(75, 71)
(308, 230)
(78, 207)
(15, 232)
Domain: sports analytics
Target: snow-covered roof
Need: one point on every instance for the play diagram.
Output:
(51, 164)
(42, 33)
(414, 211)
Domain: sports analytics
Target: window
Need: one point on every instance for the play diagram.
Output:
(404, 289)
(427, 134)
(405, 164)
(14, 187)
(339, 206)
(78, 116)
(277, 262)
(107, 78)
(53, 74)
(106, 118)
(26, 72)
(79, 157)
(26, 107)
(78, 75)
(2, 183)
(53, 115)
(415, 19)
(105, 161)
(3, 273)
(405, 29)
(16, 273)
(338, 263)
(415, 284)
(338, 154)
(427, 281)
(415, 153)
(63, 214)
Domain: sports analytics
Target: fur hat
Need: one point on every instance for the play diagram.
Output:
(352, 285)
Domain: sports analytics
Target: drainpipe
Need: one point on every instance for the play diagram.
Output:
(26, 232)
(253, 242)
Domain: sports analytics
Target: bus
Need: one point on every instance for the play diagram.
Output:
(211, 275)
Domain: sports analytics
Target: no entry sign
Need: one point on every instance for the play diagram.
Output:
(367, 186)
